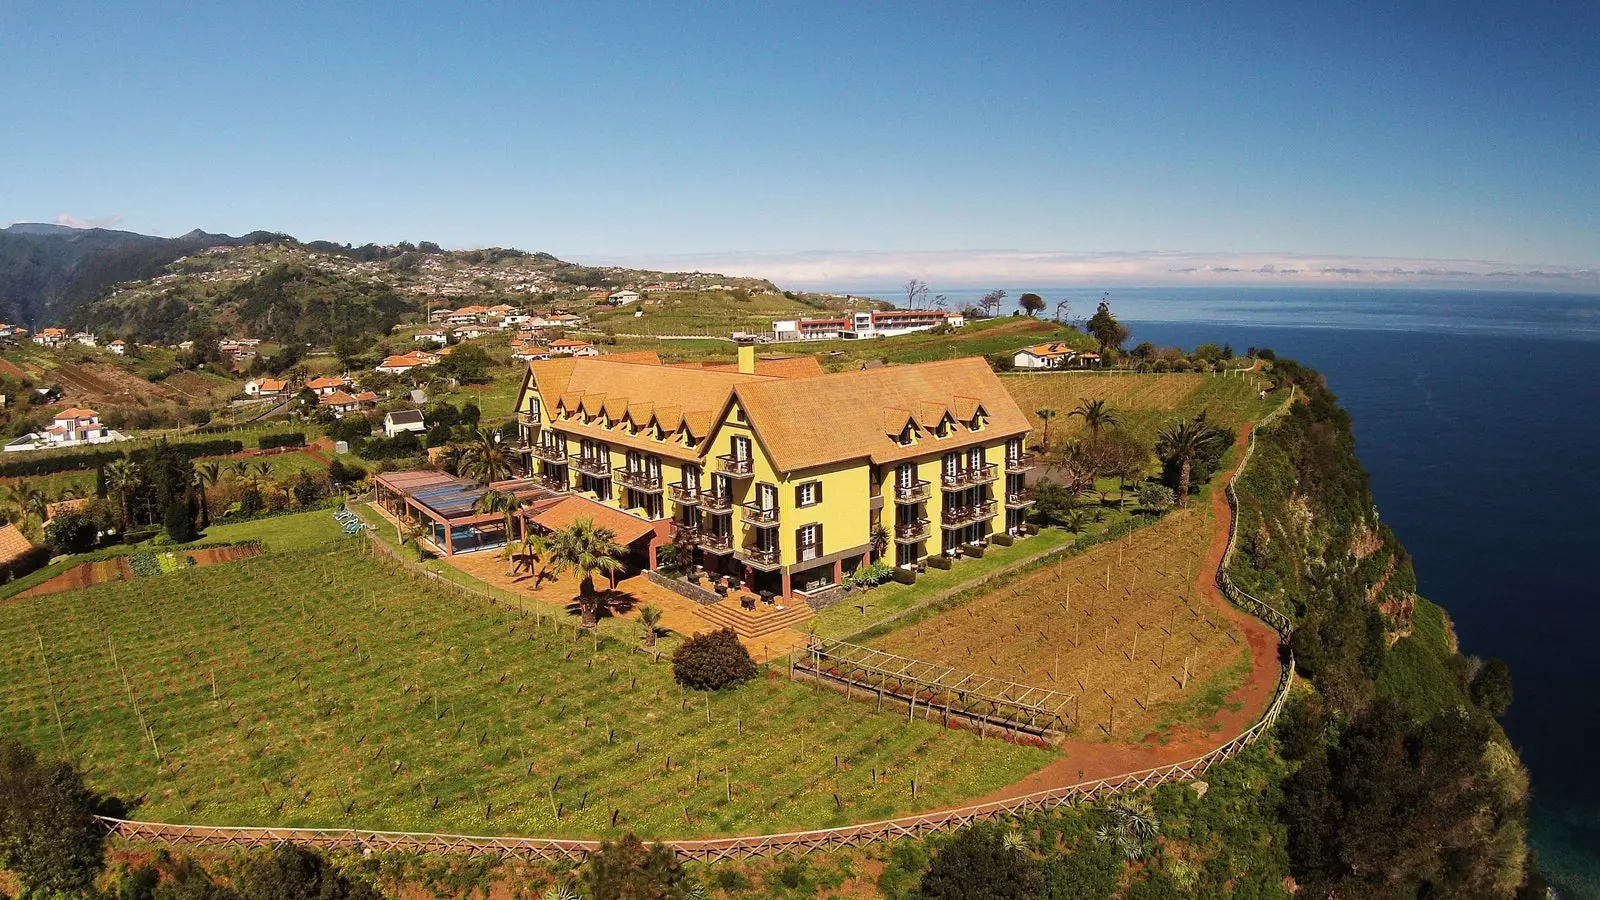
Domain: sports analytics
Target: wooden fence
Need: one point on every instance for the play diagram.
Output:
(712, 850)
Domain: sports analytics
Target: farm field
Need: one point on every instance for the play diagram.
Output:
(713, 313)
(980, 338)
(322, 687)
(1143, 403)
(1118, 624)
(95, 378)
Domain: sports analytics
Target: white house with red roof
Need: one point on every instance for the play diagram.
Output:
(71, 427)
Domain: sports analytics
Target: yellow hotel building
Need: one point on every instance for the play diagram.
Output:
(777, 473)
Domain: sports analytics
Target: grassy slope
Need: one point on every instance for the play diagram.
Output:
(1143, 403)
(327, 668)
(1417, 671)
(716, 313)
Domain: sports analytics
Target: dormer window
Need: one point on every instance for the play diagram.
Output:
(906, 436)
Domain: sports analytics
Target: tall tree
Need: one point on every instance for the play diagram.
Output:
(507, 504)
(207, 475)
(916, 291)
(1045, 414)
(485, 459)
(991, 302)
(1095, 414)
(123, 478)
(588, 550)
(1182, 442)
(49, 838)
(1106, 329)
(1032, 304)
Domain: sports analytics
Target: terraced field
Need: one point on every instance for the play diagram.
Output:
(321, 687)
(1121, 626)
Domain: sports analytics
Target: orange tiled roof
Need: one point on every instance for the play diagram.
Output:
(571, 510)
(327, 381)
(13, 543)
(337, 398)
(824, 420)
(73, 412)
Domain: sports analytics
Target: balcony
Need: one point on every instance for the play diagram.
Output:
(762, 517)
(761, 557)
(550, 452)
(1019, 499)
(527, 418)
(597, 466)
(915, 492)
(912, 532)
(684, 494)
(1021, 462)
(552, 483)
(716, 503)
(728, 464)
(712, 542)
(686, 533)
(639, 479)
(966, 515)
(968, 477)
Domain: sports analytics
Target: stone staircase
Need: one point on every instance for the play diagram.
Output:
(752, 624)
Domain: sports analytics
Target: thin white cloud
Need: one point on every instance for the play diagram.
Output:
(72, 221)
(981, 268)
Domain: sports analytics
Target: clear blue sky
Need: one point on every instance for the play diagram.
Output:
(1447, 130)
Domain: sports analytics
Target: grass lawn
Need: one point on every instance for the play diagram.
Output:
(1143, 403)
(714, 313)
(980, 338)
(324, 687)
(294, 531)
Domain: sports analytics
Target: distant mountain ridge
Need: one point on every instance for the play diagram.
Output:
(47, 271)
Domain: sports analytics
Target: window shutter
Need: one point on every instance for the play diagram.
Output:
(818, 494)
(799, 495)
(819, 538)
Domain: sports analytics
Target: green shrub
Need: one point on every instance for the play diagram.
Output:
(711, 662)
(870, 576)
(626, 868)
(973, 550)
(273, 441)
(144, 565)
(939, 561)
(1158, 497)
(1002, 539)
(903, 576)
(71, 532)
(977, 863)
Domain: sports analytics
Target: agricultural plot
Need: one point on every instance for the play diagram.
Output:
(325, 688)
(1120, 626)
(1143, 403)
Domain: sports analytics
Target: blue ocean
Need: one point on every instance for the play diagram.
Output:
(1478, 415)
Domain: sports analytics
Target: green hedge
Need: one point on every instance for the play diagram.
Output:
(291, 439)
(94, 459)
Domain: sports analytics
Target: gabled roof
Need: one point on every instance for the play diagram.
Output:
(406, 417)
(832, 418)
(73, 412)
(337, 398)
(13, 543)
(572, 510)
(1053, 348)
(325, 381)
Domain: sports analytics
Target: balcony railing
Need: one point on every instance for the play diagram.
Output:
(915, 492)
(761, 556)
(715, 543)
(739, 467)
(527, 418)
(759, 515)
(912, 532)
(639, 480)
(1019, 499)
(684, 494)
(716, 503)
(966, 515)
(550, 452)
(1021, 462)
(551, 482)
(967, 477)
(682, 532)
(592, 465)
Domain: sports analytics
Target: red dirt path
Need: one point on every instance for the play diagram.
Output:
(1085, 760)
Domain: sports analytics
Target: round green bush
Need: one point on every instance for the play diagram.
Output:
(711, 662)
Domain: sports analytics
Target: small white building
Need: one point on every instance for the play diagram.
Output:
(1054, 355)
(118, 347)
(71, 427)
(399, 420)
(623, 297)
(436, 338)
(266, 387)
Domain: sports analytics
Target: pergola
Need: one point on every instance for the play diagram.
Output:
(445, 507)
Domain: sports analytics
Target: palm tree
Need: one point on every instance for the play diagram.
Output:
(206, 475)
(1095, 414)
(650, 618)
(1129, 825)
(123, 477)
(535, 549)
(589, 550)
(1045, 415)
(1182, 442)
(508, 505)
(485, 459)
